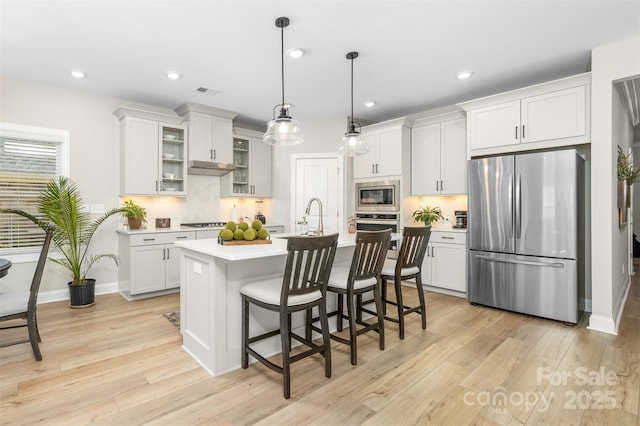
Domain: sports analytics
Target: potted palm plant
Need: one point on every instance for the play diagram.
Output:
(427, 215)
(135, 214)
(60, 202)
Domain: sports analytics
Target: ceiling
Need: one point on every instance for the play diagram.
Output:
(409, 51)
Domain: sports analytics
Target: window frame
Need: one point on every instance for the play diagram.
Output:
(22, 131)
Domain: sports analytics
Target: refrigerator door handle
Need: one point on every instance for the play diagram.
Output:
(522, 262)
(519, 207)
(510, 199)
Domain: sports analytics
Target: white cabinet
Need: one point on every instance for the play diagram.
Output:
(543, 116)
(439, 158)
(252, 176)
(152, 153)
(388, 144)
(210, 132)
(149, 262)
(445, 262)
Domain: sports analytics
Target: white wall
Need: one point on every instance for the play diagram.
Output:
(609, 63)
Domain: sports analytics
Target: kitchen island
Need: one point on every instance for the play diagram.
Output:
(211, 276)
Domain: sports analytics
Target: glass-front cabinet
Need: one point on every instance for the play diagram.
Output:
(241, 157)
(172, 160)
(153, 149)
(252, 175)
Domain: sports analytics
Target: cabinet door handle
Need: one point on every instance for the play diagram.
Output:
(163, 254)
(437, 186)
(167, 253)
(448, 238)
(214, 154)
(373, 169)
(182, 237)
(516, 132)
(148, 239)
(377, 168)
(441, 185)
(156, 186)
(523, 136)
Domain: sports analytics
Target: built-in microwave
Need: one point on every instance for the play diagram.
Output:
(383, 196)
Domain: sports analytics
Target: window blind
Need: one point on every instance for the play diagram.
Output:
(26, 165)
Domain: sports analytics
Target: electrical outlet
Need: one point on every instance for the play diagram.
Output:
(97, 208)
(197, 268)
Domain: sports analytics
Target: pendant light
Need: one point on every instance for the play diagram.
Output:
(352, 142)
(284, 130)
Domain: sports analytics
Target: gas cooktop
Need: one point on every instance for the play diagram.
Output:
(204, 225)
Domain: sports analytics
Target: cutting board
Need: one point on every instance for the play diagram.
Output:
(242, 242)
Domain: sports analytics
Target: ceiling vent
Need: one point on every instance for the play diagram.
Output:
(206, 91)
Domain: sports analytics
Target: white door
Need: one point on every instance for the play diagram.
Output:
(319, 177)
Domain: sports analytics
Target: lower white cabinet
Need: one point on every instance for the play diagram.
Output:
(149, 262)
(445, 262)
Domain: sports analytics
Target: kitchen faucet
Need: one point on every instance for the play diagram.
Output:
(320, 230)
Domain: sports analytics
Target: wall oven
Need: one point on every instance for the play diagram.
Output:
(379, 222)
(377, 197)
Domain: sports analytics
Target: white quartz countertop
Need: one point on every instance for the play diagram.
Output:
(446, 228)
(177, 229)
(278, 247)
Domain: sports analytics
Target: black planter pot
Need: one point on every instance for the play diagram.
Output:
(83, 295)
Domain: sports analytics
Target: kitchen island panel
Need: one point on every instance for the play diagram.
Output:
(210, 300)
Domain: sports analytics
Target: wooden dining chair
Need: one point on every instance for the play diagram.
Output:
(407, 266)
(23, 305)
(351, 282)
(302, 287)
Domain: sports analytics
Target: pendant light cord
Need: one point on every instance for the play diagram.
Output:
(351, 93)
(282, 58)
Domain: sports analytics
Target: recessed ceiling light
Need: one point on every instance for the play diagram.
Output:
(370, 104)
(78, 74)
(172, 75)
(295, 52)
(463, 75)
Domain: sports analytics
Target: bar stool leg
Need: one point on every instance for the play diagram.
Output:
(379, 309)
(324, 323)
(352, 328)
(285, 337)
(423, 310)
(398, 288)
(339, 316)
(245, 331)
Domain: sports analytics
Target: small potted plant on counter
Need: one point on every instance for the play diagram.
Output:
(135, 214)
(428, 215)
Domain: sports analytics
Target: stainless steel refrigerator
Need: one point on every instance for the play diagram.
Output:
(526, 233)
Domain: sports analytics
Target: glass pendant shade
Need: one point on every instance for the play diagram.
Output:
(283, 131)
(353, 143)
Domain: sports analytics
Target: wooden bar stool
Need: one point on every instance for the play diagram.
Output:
(361, 277)
(407, 266)
(302, 287)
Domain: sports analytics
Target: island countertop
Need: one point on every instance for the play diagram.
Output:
(278, 247)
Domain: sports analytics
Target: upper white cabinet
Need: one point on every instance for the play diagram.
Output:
(389, 142)
(543, 116)
(439, 158)
(252, 158)
(210, 132)
(153, 151)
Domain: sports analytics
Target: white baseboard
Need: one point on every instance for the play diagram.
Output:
(63, 294)
(601, 323)
(622, 300)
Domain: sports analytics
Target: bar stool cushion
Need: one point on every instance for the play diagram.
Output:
(13, 303)
(340, 277)
(389, 269)
(268, 291)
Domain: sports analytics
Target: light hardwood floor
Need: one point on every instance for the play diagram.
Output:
(120, 363)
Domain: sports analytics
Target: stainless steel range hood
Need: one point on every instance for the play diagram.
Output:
(209, 168)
